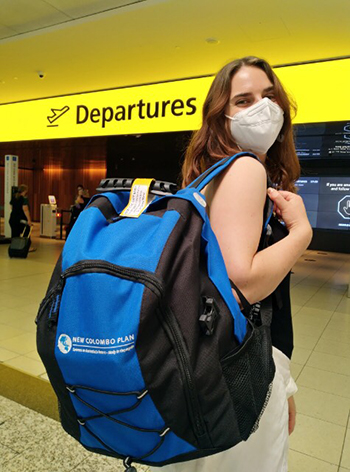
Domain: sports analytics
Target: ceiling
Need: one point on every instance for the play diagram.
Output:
(86, 45)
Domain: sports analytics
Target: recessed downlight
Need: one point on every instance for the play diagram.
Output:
(212, 40)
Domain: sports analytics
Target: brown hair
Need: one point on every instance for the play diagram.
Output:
(22, 188)
(214, 141)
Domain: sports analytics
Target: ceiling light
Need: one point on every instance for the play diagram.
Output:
(212, 41)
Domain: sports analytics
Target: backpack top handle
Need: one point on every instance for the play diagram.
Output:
(158, 187)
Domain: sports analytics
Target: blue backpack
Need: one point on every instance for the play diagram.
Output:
(146, 347)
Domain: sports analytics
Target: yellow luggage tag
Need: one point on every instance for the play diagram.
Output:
(139, 198)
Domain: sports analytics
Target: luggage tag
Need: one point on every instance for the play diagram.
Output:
(139, 199)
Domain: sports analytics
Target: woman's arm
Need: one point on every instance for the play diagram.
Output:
(292, 410)
(26, 212)
(236, 216)
(79, 200)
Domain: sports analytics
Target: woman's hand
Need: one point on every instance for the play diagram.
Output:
(290, 208)
(292, 414)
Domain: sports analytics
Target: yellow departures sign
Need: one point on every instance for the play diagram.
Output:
(172, 106)
(319, 89)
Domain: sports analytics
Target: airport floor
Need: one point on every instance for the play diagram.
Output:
(31, 441)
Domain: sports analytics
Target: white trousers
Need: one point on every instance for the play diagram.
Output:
(266, 450)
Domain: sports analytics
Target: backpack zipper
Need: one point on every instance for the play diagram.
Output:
(51, 297)
(153, 283)
(186, 371)
(84, 267)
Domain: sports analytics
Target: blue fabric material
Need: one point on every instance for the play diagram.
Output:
(218, 275)
(129, 242)
(103, 347)
(119, 200)
(268, 217)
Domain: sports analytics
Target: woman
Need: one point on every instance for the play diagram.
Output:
(81, 200)
(20, 215)
(247, 109)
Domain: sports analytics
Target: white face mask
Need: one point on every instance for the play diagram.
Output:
(257, 127)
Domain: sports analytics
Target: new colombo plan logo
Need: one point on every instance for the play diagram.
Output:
(64, 343)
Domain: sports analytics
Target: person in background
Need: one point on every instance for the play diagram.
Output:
(20, 214)
(81, 200)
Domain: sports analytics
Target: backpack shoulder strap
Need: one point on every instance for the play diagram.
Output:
(200, 182)
(219, 167)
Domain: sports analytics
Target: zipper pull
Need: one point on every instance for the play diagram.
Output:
(54, 313)
(208, 319)
(42, 307)
(127, 464)
(55, 307)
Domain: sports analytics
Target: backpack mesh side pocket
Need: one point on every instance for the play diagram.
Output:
(248, 373)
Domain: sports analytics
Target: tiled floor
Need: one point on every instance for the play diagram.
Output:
(30, 442)
(321, 366)
(23, 284)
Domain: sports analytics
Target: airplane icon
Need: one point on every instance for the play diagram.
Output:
(57, 113)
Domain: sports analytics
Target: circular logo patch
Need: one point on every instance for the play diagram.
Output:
(64, 343)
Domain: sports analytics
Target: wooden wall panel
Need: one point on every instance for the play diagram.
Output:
(56, 167)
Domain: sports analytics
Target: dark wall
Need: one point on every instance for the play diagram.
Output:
(157, 155)
(56, 167)
(326, 167)
(334, 241)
